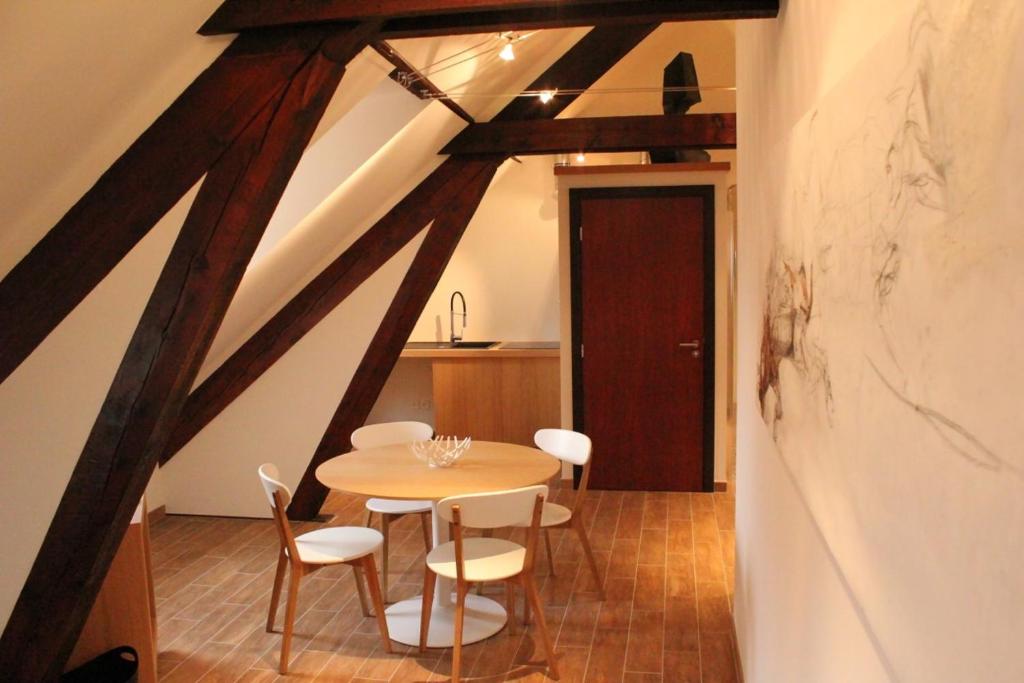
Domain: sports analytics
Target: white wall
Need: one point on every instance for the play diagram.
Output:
(282, 416)
(381, 108)
(875, 542)
(77, 90)
(323, 234)
(507, 262)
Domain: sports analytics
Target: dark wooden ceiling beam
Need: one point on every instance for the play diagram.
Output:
(410, 78)
(417, 18)
(248, 14)
(143, 184)
(202, 272)
(382, 354)
(578, 69)
(320, 296)
(603, 134)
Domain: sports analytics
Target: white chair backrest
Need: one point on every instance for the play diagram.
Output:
(564, 444)
(493, 510)
(270, 478)
(388, 433)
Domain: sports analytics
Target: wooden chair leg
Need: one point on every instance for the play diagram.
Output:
(275, 594)
(585, 542)
(369, 518)
(385, 530)
(551, 556)
(429, 581)
(460, 616)
(510, 606)
(289, 618)
(542, 625)
(360, 589)
(485, 533)
(378, 600)
(425, 526)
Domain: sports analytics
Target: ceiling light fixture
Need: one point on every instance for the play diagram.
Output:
(581, 158)
(508, 53)
(546, 96)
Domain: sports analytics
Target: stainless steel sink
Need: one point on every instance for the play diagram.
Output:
(428, 345)
(449, 345)
(461, 344)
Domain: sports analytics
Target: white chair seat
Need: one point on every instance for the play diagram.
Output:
(484, 559)
(337, 544)
(553, 515)
(397, 507)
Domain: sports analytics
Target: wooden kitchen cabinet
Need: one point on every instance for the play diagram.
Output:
(496, 398)
(125, 609)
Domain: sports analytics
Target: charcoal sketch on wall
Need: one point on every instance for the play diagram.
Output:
(891, 363)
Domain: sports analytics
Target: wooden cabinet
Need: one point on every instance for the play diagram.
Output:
(125, 610)
(496, 399)
(505, 393)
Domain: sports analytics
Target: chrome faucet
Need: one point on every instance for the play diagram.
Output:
(451, 311)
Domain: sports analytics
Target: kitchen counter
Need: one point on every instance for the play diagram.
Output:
(529, 349)
(504, 392)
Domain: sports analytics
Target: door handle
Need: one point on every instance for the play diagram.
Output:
(694, 346)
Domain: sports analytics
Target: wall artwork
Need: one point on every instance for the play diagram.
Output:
(891, 370)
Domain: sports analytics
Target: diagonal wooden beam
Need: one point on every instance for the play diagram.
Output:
(599, 134)
(201, 274)
(410, 78)
(318, 298)
(579, 67)
(143, 184)
(382, 354)
(418, 18)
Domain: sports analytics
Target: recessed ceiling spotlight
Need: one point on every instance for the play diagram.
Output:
(546, 96)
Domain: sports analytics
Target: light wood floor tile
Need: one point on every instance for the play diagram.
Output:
(665, 558)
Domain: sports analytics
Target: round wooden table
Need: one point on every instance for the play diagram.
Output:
(394, 472)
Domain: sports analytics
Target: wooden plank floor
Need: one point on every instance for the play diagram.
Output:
(667, 560)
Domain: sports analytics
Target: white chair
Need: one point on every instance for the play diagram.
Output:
(574, 448)
(474, 560)
(351, 545)
(386, 434)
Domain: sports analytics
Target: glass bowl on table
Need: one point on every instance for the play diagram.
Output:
(441, 451)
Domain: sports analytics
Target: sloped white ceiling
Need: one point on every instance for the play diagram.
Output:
(343, 146)
(486, 75)
(79, 81)
(713, 46)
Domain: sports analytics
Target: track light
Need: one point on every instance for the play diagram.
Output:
(546, 96)
(507, 53)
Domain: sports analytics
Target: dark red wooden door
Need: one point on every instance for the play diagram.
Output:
(642, 311)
